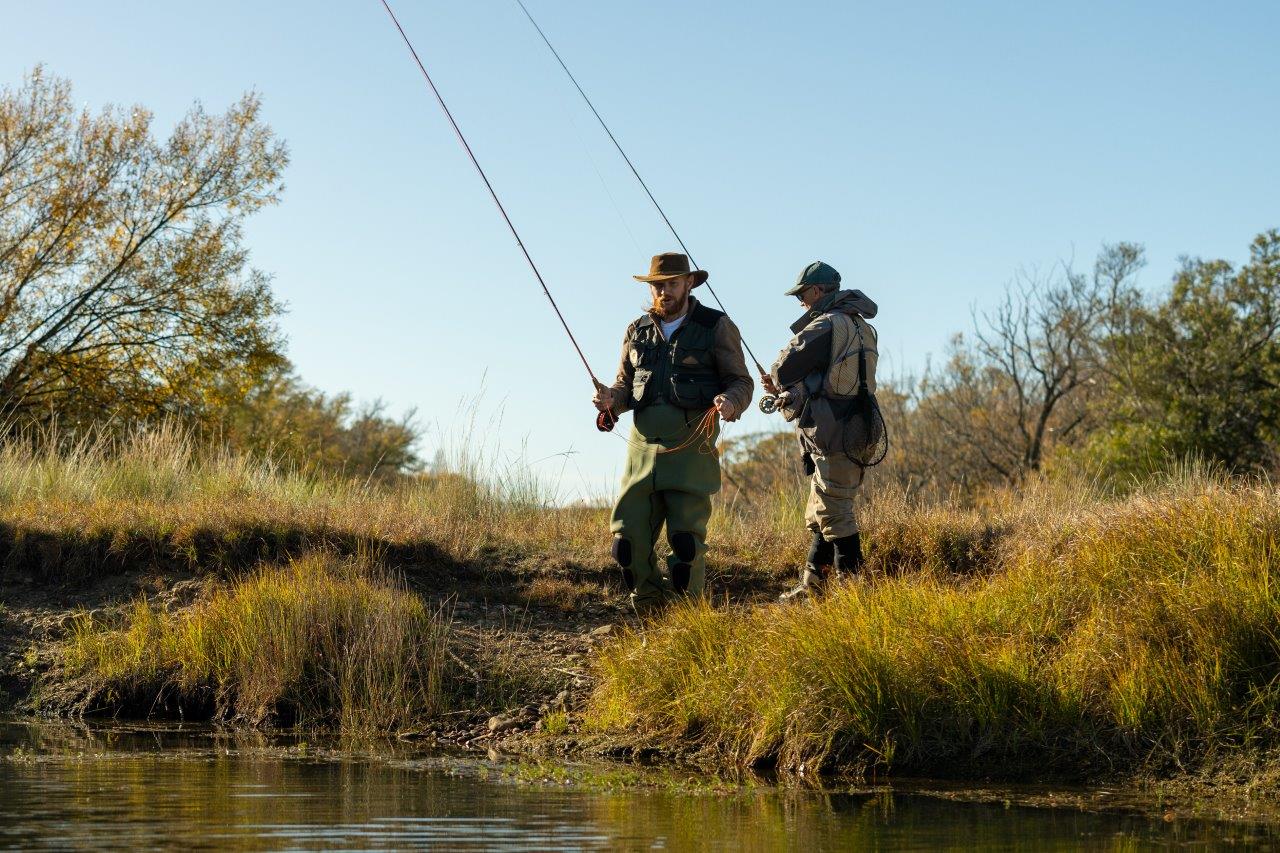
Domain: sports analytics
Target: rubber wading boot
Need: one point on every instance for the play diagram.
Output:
(813, 583)
(848, 550)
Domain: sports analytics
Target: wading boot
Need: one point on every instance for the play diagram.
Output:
(848, 551)
(813, 583)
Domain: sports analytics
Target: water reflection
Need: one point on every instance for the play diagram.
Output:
(61, 787)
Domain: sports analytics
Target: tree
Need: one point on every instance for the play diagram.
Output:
(124, 287)
(284, 420)
(1198, 373)
(1028, 377)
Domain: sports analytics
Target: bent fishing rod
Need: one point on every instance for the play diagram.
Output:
(631, 166)
(604, 424)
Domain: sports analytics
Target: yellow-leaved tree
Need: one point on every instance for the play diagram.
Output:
(125, 292)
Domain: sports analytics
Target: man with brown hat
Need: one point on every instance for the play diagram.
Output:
(682, 367)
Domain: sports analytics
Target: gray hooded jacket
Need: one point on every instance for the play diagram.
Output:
(803, 362)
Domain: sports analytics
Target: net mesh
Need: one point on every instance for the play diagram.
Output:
(865, 436)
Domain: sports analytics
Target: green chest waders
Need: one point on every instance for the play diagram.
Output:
(664, 488)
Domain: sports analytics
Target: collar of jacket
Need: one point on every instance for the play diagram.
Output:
(842, 301)
(822, 306)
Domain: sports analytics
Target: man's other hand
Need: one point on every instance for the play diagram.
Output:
(726, 409)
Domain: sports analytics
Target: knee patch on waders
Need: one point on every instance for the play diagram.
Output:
(680, 576)
(622, 556)
(848, 553)
(821, 552)
(684, 546)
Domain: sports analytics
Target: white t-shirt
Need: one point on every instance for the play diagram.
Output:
(669, 327)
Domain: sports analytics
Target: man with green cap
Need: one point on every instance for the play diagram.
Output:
(832, 334)
(681, 367)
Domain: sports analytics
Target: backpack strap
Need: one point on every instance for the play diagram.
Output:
(864, 390)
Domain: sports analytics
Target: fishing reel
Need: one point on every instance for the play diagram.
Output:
(771, 403)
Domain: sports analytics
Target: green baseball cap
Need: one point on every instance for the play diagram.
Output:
(823, 275)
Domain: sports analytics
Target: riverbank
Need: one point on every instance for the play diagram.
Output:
(1132, 637)
(1057, 634)
(160, 579)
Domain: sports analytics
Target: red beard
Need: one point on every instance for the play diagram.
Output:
(669, 313)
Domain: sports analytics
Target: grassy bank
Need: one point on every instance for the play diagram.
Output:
(1053, 630)
(298, 618)
(1097, 636)
(320, 642)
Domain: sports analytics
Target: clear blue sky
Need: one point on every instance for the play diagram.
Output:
(926, 150)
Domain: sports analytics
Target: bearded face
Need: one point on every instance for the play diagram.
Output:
(671, 297)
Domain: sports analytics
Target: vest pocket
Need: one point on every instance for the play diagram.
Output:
(691, 357)
(694, 392)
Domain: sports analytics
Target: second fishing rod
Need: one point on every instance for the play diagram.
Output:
(634, 171)
(607, 419)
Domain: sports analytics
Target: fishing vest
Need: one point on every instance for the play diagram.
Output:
(681, 371)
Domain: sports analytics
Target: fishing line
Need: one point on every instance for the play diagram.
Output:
(604, 185)
(492, 193)
(630, 165)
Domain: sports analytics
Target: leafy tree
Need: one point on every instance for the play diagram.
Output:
(283, 419)
(124, 287)
(1198, 373)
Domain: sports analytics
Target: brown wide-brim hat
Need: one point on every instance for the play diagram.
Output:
(670, 265)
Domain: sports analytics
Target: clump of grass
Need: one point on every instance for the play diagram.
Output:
(555, 724)
(506, 674)
(559, 593)
(1102, 634)
(320, 642)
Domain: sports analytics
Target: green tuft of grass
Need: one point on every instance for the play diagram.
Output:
(320, 642)
(555, 723)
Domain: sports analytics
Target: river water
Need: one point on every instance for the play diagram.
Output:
(64, 787)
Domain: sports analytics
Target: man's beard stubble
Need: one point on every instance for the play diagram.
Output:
(671, 314)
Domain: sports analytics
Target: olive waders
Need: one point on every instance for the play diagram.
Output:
(671, 488)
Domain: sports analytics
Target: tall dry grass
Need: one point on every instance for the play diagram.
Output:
(1058, 630)
(161, 499)
(320, 642)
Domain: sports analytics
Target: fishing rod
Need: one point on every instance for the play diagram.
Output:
(632, 166)
(494, 195)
